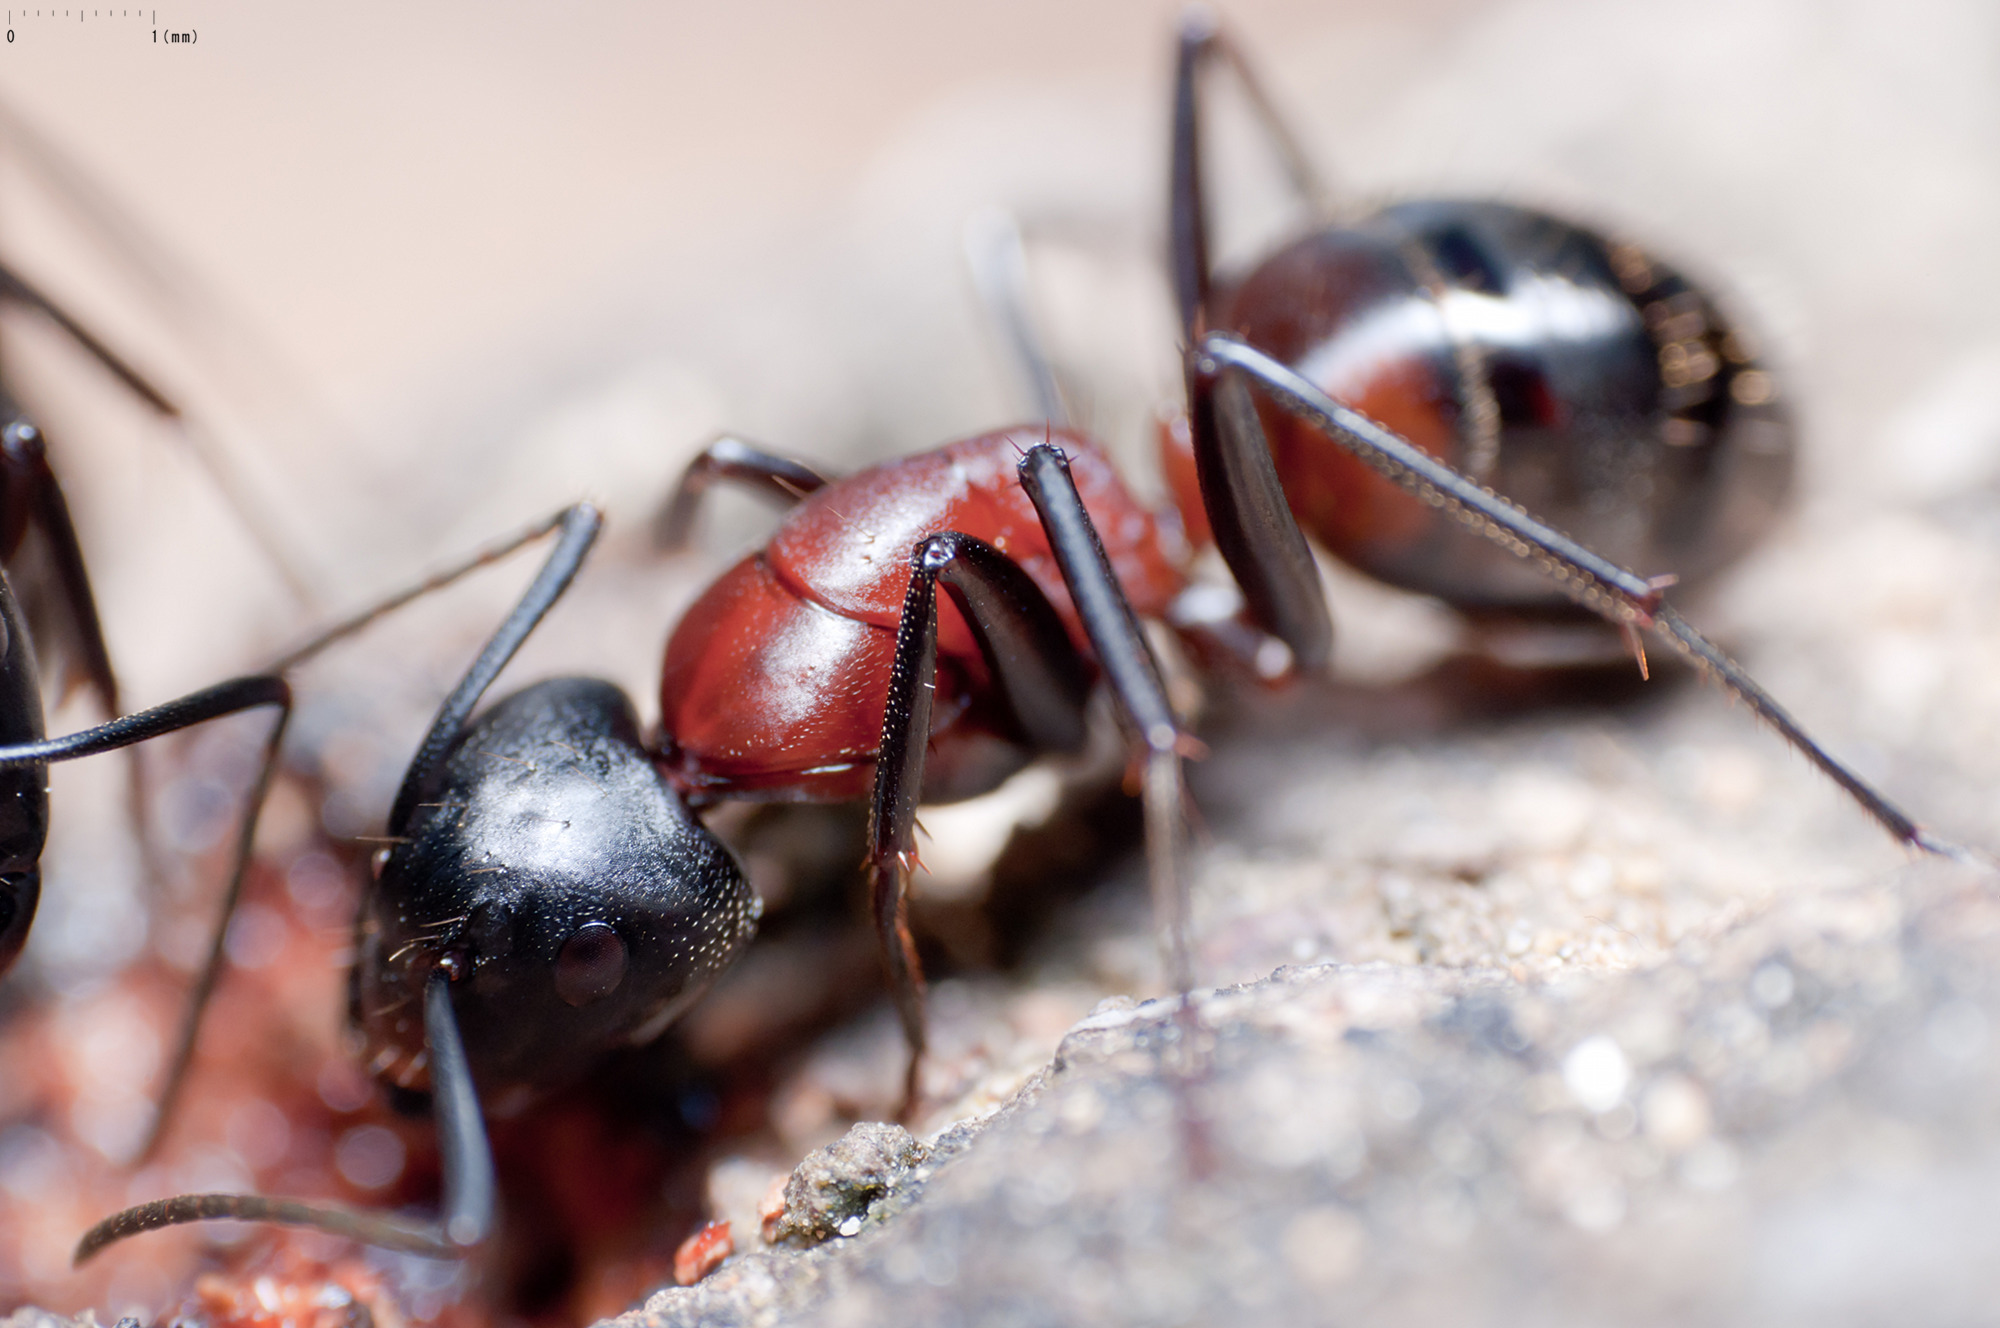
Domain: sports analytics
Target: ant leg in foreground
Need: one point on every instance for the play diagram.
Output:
(1245, 503)
(470, 1209)
(1046, 683)
(997, 259)
(1622, 597)
(728, 458)
(1254, 529)
(1134, 675)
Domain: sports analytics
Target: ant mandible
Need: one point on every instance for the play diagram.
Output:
(1427, 359)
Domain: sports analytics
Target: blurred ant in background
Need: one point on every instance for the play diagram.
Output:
(1409, 386)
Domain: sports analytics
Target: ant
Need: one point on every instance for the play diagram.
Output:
(548, 893)
(1421, 362)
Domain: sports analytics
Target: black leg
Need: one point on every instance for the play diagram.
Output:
(226, 698)
(1134, 676)
(1621, 596)
(16, 288)
(1187, 207)
(367, 1228)
(1046, 684)
(728, 458)
(1254, 528)
(31, 497)
(1187, 199)
(69, 635)
(1253, 525)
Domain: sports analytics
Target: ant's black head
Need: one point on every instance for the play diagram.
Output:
(576, 900)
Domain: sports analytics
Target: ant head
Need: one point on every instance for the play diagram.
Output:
(574, 898)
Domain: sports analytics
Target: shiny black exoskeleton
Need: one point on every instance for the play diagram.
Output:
(548, 898)
(1579, 377)
(578, 901)
(1583, 379)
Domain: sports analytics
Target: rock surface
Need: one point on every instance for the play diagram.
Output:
(833, 1190)
(1788, 1120)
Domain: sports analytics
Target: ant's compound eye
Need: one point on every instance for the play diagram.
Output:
(591, 965)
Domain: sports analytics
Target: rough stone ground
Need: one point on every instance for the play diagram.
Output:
(1789, 1120)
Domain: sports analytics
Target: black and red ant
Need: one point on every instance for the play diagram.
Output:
(549, 893)
(1438, 370)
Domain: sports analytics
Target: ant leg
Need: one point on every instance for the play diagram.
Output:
(348, 626)
(225, 698)
(1621, 596)
(998, 262)
(1134, 675)
(1253, 525)
(16, 288)
(30, 496)
(1201, 40)
(728, 458)
(1187, 199)
(1046, 683)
